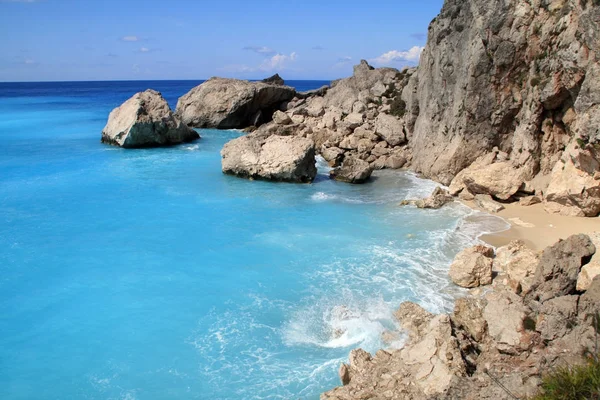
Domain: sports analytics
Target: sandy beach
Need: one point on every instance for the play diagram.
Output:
(537, 228)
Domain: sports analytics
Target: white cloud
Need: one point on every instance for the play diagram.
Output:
(278, 62)
(130, 39)
(394, 56)
(144, 50)
(262, 50)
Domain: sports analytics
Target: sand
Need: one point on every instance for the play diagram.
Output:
(537, 228)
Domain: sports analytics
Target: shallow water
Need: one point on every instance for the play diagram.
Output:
(148, 274)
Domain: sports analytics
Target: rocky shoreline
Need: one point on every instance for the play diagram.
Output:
(503, 109)
(536, 314)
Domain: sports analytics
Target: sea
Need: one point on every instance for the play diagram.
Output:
(148, 274)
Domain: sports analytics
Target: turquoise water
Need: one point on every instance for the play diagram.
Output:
(148, 274)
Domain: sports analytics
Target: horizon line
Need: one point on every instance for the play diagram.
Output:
(153, 80)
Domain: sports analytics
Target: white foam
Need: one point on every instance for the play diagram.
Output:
(192, 147)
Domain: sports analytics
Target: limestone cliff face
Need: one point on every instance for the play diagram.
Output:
(522, 76)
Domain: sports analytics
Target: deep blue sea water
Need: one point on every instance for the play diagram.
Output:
(148, 274)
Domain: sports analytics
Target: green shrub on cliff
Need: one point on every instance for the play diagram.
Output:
(572, 383)
(398, 107)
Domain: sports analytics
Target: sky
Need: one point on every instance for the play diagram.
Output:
(70, 40)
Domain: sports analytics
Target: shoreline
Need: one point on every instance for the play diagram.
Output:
(534, 226)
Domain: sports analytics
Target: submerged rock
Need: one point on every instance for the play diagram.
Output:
(231, 103)
(277, 158)
(145, 120)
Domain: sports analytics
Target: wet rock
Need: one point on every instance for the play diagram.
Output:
(352, 170)
(438, 199)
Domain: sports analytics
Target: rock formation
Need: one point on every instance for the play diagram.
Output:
(472, 267)
(270, 157)
(494, 345)
(232, 103)
(352, 170)
(145, 120)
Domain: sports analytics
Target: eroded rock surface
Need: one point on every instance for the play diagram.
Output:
(274, 157)
(146, 120)
(231, 103)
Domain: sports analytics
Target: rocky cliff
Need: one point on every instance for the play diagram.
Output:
(520, 77)
(505, 103)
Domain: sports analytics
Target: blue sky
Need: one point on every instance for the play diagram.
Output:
(61, 40)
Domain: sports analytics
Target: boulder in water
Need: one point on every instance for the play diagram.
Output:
(145, 120)
(231, 103)
(274, 157)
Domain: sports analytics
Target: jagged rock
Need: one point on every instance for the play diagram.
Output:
(556, 316)
(352, 170)
(413, 318)
(231, 103)
(145, 120)
(353, 120)
(588, 302)
(574, 187)
(333, 155)
(344, 93)
(281, 118)
(273, 157)
(468, 315)
(519, 263)
(344, 373)
(274, 80)
(587, 275)
(472, 267)
(488, 204)
(559, 266)
(504, 314)
(390, 129)
(438, 199)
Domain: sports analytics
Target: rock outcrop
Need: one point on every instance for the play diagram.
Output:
(146, 120)
(439, 198)
(495, 345)
(274, 80)
(232, 103)
(273, 157)
(472, 267)
(352, 170)
(519, 76)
